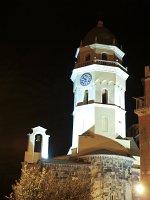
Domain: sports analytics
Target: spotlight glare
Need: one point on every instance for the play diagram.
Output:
(139, 189)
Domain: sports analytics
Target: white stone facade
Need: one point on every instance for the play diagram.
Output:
(113, 179)
(31, 155)
(100, 105)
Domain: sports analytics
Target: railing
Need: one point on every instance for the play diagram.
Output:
(101, 62)
(142, 102)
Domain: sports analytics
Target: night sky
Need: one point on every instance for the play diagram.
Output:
(38, 42)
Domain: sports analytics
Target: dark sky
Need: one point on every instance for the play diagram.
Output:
(38, 41)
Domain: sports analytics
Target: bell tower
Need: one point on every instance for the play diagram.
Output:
(38, 143)
(99, 85)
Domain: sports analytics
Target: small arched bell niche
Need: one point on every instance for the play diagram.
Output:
(38, 143)
(104, 56)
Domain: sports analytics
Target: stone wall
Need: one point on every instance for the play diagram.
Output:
(135, 182)
(112, 177)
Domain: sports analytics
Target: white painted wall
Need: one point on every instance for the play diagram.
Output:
(104, 119)
(30, 155)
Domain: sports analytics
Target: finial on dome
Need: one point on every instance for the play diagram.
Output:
(81, 43)
(95, 39)
(114, 41)
(100, 23)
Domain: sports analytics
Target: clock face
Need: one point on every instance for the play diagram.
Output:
(85, 79)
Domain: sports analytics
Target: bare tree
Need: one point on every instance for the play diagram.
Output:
(38, 183)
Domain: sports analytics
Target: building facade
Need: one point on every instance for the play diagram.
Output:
(143, 112)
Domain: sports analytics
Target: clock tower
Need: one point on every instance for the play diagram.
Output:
(99, 85)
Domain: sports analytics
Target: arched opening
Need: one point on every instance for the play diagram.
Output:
(38, 143)
(88, 58)
(85, 100)
(104, 56)
(105, 96)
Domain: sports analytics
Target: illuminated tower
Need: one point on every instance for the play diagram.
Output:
(143, 112)
(38, 143)
(99, 86)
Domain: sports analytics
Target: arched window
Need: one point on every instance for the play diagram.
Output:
(105, 96)
(88, 58)
(85, 100)
(104, 56)
(38, 143)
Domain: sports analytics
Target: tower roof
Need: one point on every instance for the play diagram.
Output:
(100, 35)
(91, 143)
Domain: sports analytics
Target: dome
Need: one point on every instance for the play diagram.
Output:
(100, 35)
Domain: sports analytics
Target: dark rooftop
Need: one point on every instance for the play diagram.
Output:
(100, 35)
